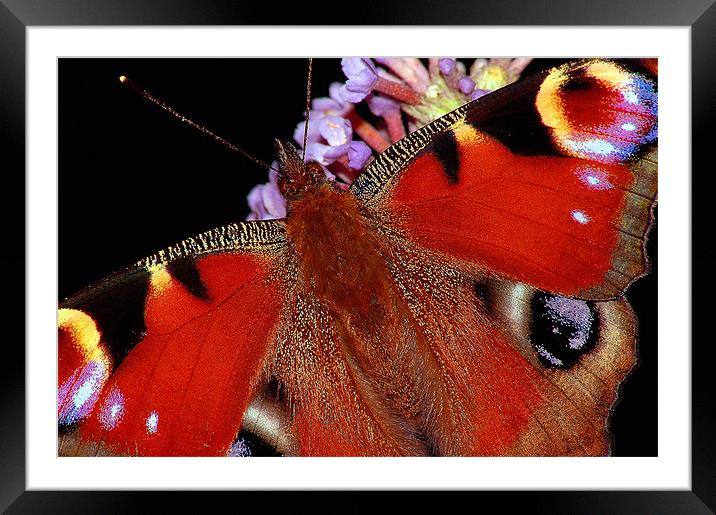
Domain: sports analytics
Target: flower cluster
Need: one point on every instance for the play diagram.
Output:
(401, 93)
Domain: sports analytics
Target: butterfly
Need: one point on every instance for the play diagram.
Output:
(398, 317)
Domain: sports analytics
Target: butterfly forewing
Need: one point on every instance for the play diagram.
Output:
(548, 181)
(200, 317)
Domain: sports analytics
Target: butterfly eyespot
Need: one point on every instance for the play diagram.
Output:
(84, 366)
(562, 329)
(248, 444)
(266, 426)
(562, 104)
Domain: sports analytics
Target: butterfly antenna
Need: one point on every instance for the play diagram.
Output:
(169, 109)
(308, 107)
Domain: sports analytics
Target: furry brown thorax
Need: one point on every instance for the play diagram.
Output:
(340, 254)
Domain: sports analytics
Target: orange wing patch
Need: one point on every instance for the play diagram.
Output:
(83, 365)
(560, 224)
(184, 388)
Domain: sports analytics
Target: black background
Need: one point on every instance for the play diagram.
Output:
(133, 180)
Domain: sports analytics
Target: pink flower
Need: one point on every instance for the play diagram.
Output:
(358, 155)
(466, 85)
(362, 76)
(446, 65)
(335, 130)
(265, 200)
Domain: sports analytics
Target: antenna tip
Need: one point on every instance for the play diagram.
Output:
(123, 78)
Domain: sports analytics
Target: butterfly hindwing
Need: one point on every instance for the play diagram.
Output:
(581, 350)
(199, 320)
(548, 181)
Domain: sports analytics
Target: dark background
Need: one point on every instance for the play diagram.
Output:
(132, 179)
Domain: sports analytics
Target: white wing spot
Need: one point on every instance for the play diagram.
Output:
(152, 422)
(580, 216)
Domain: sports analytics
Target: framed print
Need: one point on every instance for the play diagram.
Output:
(632, 423)
(138, 138)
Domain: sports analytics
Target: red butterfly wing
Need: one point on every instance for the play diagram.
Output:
(548, 181)
(194, 359)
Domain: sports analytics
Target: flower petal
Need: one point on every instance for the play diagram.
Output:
(255, 200)
(273, 202)
(325, 154)
(379, 105)
(358, 155)
(313, 133)
(478, 93)
(334, 92)
(446, 65)
(326, 104)
(466, 85)
(335, 130)
(362, 76)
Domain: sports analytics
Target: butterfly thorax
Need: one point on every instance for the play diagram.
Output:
(337, 248)
(342, 266)
(338, 251)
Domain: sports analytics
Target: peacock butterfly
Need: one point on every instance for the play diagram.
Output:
(430, 281)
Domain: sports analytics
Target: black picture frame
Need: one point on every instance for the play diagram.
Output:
(16, 15)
